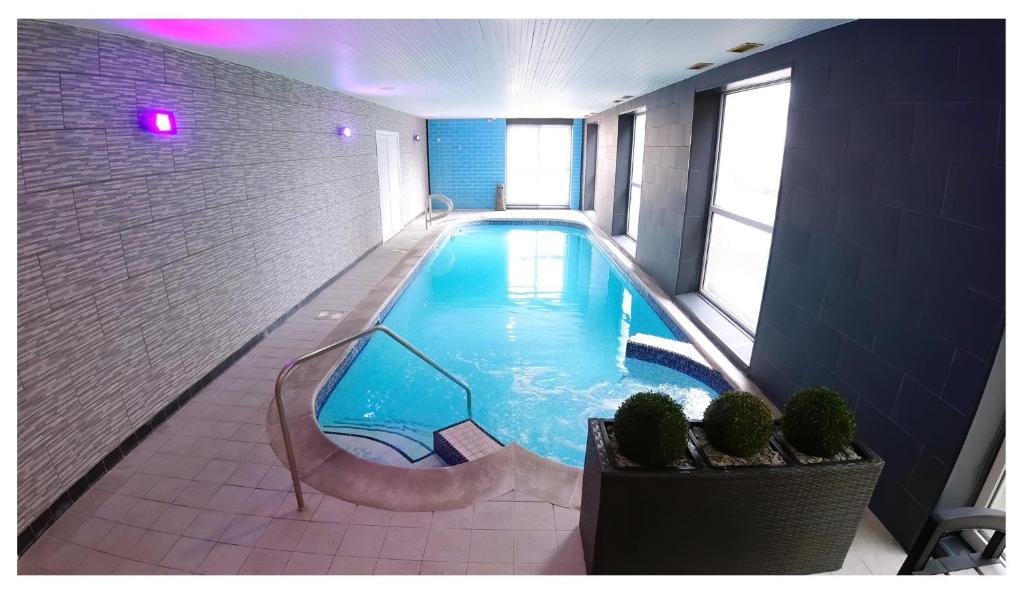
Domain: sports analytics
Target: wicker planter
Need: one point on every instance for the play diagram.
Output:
(790, 519)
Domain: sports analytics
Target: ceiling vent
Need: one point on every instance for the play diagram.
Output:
(745, 47)
(700, 65)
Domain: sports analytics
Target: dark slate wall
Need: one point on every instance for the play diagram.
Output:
(886, 277)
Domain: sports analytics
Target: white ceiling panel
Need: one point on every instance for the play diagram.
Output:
(475, 68)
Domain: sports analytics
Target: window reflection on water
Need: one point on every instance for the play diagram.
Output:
(536, 264)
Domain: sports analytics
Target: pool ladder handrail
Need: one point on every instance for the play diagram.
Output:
(428, 214)
(279, 385)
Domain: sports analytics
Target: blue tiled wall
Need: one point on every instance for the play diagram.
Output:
(467, 160)
(577, 164)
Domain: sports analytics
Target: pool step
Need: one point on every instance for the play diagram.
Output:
(464, 441)
(678, 355)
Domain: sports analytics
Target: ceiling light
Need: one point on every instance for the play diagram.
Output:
(745, 47)
(345, 131)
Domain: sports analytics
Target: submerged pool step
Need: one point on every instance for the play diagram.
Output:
(678, 355)
(464, 441)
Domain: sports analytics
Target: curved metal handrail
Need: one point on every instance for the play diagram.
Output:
(279, 398)
(428, 216)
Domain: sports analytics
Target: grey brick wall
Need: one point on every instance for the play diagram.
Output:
(886, 278)
(143, 260)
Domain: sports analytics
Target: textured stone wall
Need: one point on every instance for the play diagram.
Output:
(144, 260)
(886, 278)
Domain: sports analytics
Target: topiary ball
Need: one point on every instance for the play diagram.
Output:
(819, 422)
(651, 428)
(738, 423)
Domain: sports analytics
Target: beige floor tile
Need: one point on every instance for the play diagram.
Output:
(396, 567)
(152, 547)
(322, 537)
(332, 509)
(442, 568)
(282, 534)
(569, 546)
(402, 542)
(534, 546)
(224, 559)
(535, 569)
(247, 475)
(91, 531)
(490, 546)
(244, 530)
(217, 471)
(175, 519)
(229, 498)
(489, 569)
(412, 519)
(447, 544)
(371, 516)
(98, 563)
(263, 502)
(571, 568)
(144, 514)
(120, 540)
(197, 494)
(129, 567)
(352, 566)
(362, 541)
(167, 489)
(187, 554)
(453, 518)
(308, 564)
(115, 507)
(533, 515)
(265, 562)
(209, 525)
(566, 518)
(493, 515)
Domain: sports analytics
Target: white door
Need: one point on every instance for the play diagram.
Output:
(389, 174)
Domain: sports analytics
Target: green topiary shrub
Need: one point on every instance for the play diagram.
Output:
(819, 422)
(651, 429)
(738, 423)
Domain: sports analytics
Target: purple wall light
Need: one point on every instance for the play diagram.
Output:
(158, 121)
(345, 131)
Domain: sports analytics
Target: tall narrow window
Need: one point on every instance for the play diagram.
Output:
(751, 143)
(636, 175)
(538, 160)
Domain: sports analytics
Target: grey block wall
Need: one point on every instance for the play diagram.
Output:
(144, 260)
(886, 278)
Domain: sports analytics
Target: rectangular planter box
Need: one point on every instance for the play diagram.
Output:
(790, 519)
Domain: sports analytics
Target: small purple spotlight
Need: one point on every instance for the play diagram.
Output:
(345, 131)
(158, 121)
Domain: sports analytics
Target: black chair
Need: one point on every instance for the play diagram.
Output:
(919, 560)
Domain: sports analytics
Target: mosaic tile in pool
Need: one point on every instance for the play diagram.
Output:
(535, 318)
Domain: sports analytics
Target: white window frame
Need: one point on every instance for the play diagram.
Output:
(784, 76)
(636, 185)
(510, 203)
(995, 480)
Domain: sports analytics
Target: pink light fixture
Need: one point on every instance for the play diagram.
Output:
(158, 121)
(345, 131)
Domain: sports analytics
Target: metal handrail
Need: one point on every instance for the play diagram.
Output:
(428, 216)
(279, 398)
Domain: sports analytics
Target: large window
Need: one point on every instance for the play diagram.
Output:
(538, 159)
(636, 175)
(751, 141)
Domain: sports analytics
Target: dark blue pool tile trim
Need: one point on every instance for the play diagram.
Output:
(679, 362)
(448, 452)
(332, 381)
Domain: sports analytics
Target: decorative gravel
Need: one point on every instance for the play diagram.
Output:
(844, 456)
(766, 457)
(684, 463)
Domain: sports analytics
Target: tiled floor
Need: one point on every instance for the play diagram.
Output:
(206, 494)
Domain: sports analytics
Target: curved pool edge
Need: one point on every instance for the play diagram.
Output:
(329, 469)
(332, 470)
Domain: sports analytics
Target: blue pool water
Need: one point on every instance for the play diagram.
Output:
(535, 319)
